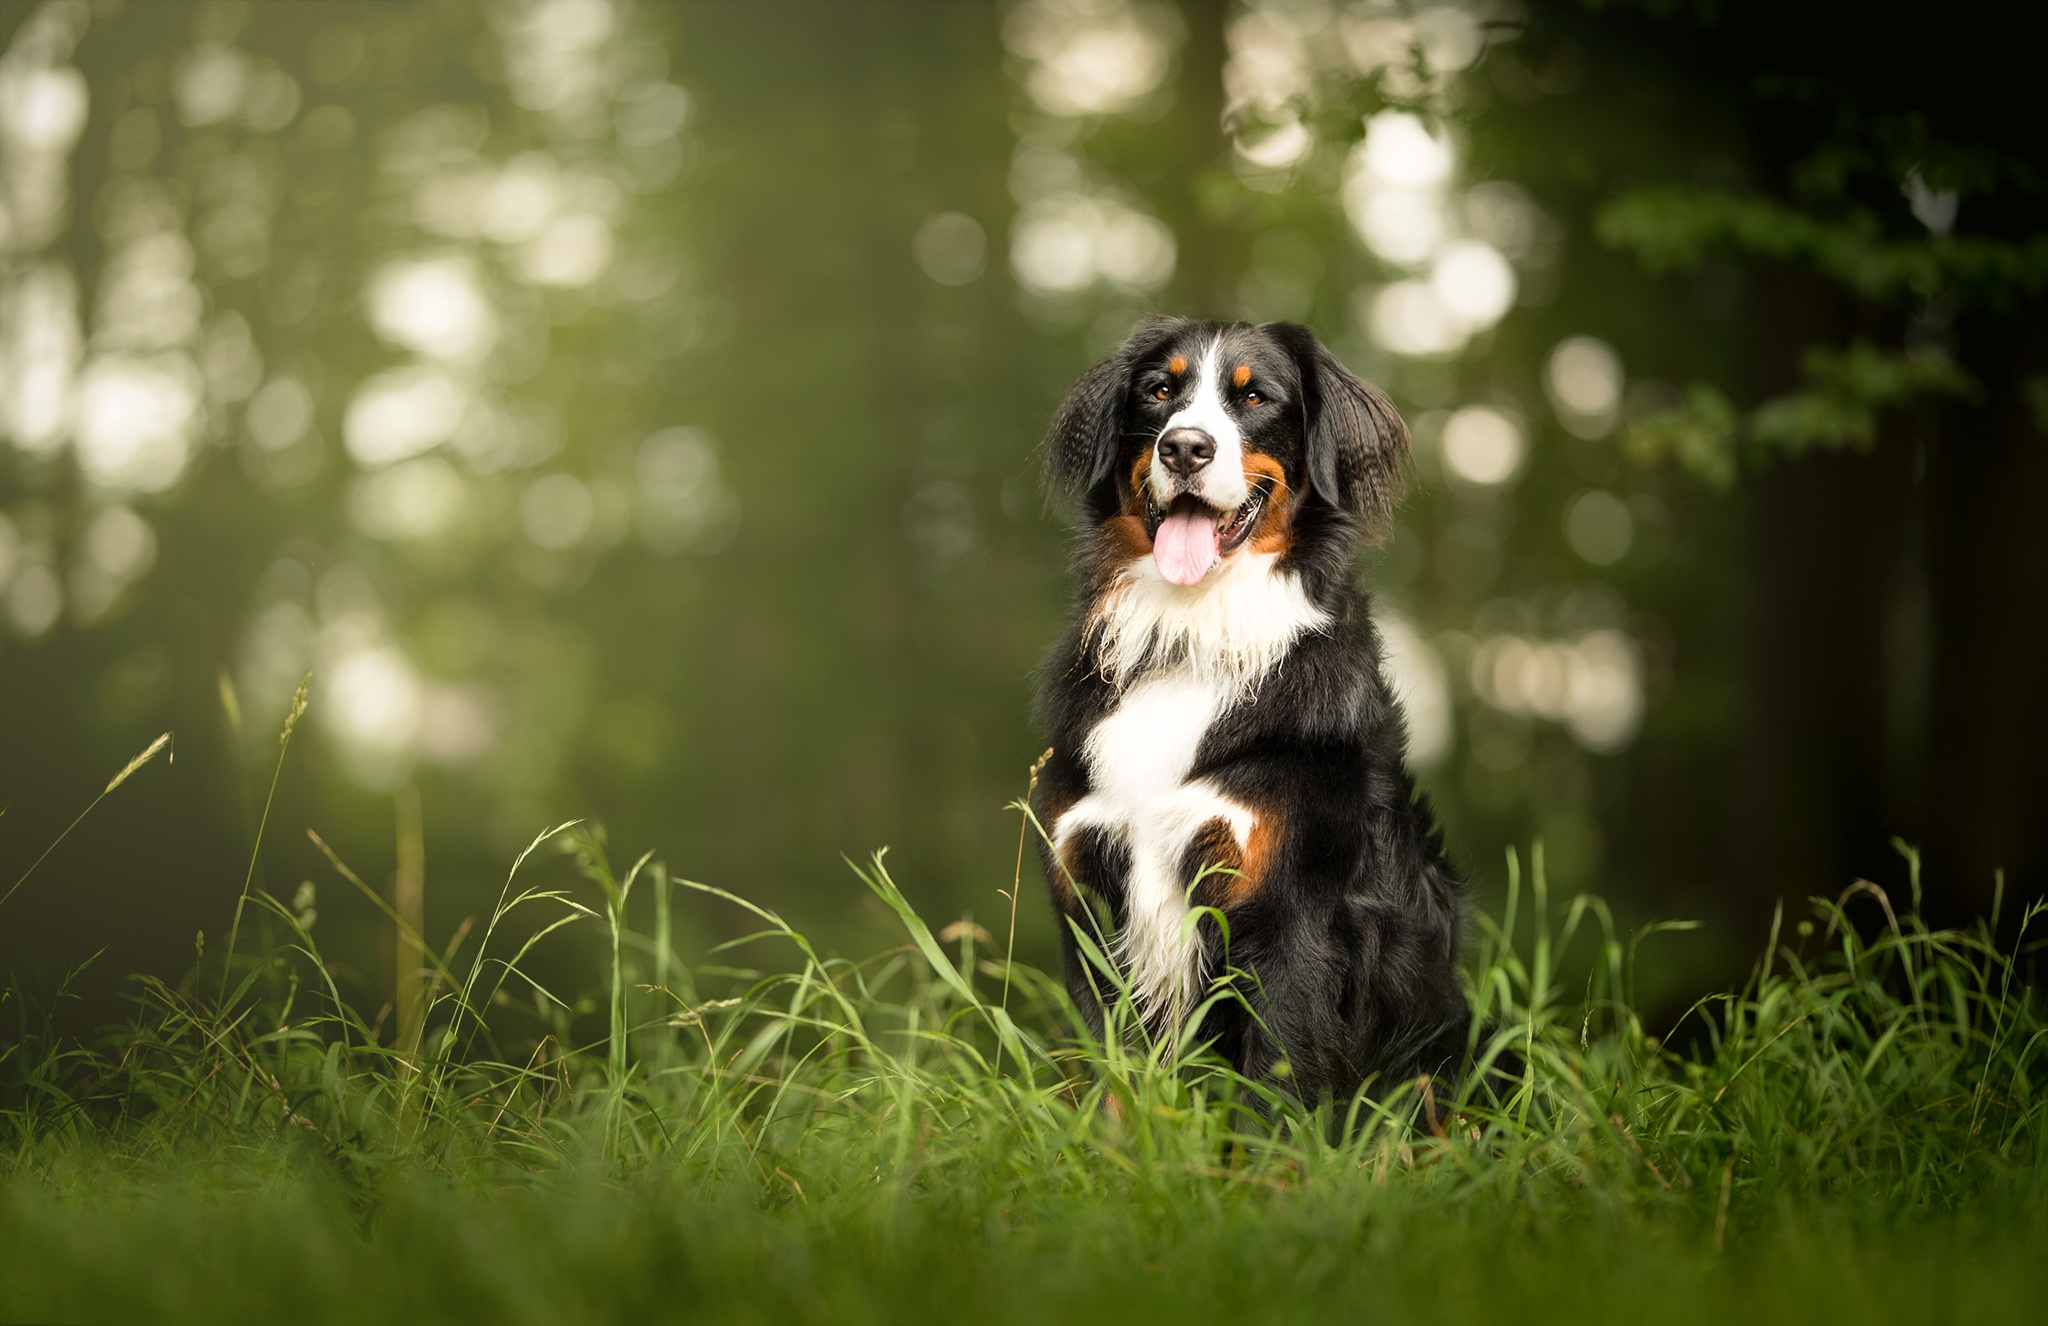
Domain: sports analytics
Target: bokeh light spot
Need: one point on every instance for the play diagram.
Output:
(279, 413)
(120, 544)
(417, 499)
(949, 247)
(556, 511)
(435, 307)
(1422, 685)
(1408, 319)
(1482, 446)
(1091, 57)
(1599, 527)
(1474, 283)
(1584, 379)
(137, 419)
(400, 413)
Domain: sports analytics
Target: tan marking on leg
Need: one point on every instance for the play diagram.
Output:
(1049, 816)
(1238, 871)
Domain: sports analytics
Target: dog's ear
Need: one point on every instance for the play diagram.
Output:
(1081, 445)
(1355, 437)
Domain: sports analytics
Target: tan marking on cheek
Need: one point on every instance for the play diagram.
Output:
(1259, 465)
(1119, 541)
(1134, 496)
(1177, 365)
(1242, 377)
(1275, 532)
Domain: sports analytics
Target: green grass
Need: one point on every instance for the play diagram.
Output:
(1858, 1130)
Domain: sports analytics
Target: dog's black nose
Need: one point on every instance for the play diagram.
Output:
(1185, 450)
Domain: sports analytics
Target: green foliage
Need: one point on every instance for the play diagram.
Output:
(935, 1121)
(1675, 227)
(1838, 411)
(1849, 387)
(1700, 435)
(2035, 390)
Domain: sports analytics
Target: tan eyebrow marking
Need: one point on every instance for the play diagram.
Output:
(1177, 365)
(1242, 375)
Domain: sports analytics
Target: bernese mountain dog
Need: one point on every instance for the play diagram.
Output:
(1226, 789)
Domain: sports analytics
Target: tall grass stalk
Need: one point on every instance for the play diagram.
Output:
(148, 753)
(284, 745)
(1912, 1060)
(1870, 1065)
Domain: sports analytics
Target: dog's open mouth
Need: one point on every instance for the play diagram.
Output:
(1190, 536)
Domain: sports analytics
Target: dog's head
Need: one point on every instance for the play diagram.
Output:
(1198, 440)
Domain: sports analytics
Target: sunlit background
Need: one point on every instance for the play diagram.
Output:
(627, 411)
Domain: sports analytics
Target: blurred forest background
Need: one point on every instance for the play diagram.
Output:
(627, 410)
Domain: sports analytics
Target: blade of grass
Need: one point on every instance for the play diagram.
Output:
(284, 743)
(148, 753)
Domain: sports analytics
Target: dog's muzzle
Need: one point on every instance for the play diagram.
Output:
(1184, 452)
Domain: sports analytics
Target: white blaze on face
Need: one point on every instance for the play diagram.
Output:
(1206, 407)
(1188, 541)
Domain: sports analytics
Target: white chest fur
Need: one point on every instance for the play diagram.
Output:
(1235, 626)
(1138, 762)
(1183, 655)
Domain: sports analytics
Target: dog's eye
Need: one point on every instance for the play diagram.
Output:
(1163, 392)
(1254, 398)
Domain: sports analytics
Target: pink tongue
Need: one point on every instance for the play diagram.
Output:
(1186, 546)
